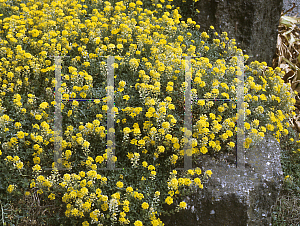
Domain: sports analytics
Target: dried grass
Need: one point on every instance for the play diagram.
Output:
(288, 59)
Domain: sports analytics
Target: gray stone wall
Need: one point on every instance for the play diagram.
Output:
(253, 23)
(287, 4)
(235, 196)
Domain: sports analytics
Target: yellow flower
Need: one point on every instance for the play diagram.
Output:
(247, 125)
(104, 107)
(38, 117)
(134, 63)
(285, 132)
(191, 172)
(138, 223)
(182, 205)
(145, 205)
(260, 109)
(221, 109)
(20, 134)
(208, 172)
(231, 144)
(173, 159)
(270, 127)
(19, 165)
(187, 181)
(126, 97)
(145, 164)
(11, 188)
(36, 147)
(75, 103)
(104, 207)
(83, 183)
(36, 168)
(201, 102)
(79, 140)
(141, 142)
(254, 131)
(51, 196)
(120, 184)
(86, 144)
(173, 184)
(129, 189)
(169, 200)
(18, 125)
(166, 125)
(44, 105)
(69, 113)
(119, 46)
(32, 184)
(94, 215)
(99, 159)
(85, 223)
(263, 97)
(161, 149)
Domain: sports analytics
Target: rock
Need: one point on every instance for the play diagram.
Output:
(253, 23)
(288, 4)
(233, 196)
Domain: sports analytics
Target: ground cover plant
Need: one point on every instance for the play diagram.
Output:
(149, 42)
(286, 211)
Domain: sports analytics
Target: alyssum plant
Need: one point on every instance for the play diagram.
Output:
(149, 45)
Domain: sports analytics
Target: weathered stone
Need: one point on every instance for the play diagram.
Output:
(288, 4)
(253, 23)
(233, 196)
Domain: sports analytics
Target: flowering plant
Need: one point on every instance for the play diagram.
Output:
(149, 45)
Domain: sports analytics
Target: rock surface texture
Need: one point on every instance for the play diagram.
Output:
(253, 23)
(288, 4)
(236, 196)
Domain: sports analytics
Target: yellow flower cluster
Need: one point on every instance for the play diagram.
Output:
(149, 45)
(16, 162)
